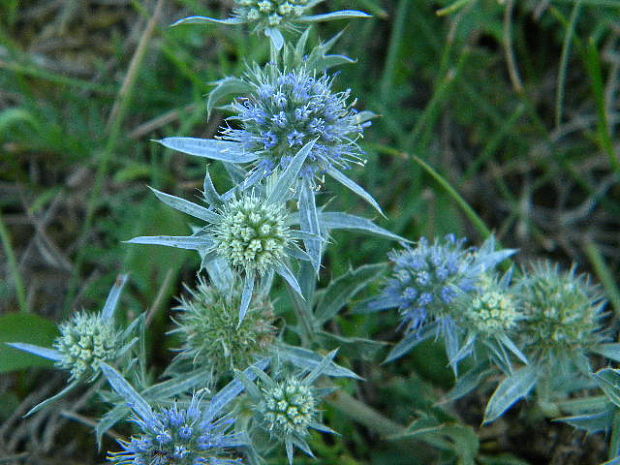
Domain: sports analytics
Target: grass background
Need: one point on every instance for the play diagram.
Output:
(514, 104)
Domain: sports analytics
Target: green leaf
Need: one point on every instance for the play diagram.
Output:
(28, 328)
(341, 290)
(510, 390)
(225, 88)
(609, 381)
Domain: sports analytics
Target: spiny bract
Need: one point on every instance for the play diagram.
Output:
(289, 108)
(85, 341)
(213, 337)
(252, 234)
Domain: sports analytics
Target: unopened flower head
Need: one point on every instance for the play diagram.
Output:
(213, 337)
(252, 235)
(265, 14)
(289, 108)
(428, 278)
(85, 341)
(562, 310)
(177, 436)
(492, 310)
(287, 408)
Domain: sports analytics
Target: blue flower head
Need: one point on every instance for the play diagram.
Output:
(175, 435)
(286, 109)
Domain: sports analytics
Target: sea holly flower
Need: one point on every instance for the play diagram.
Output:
(190, 435)
(208, 324)
(273, 16)
(250, 230)
(286, 405)
(562, 310)
(85, 341)
(426, 282)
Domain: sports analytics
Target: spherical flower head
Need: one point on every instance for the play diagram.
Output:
(492, 310)
(562, 309)
(252, 234)
(176, 436)
(429, 277)
(263, 14)
(209, 325)
(288, 408)
(85, 341)
(289, 108)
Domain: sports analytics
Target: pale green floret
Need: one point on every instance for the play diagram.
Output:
(252, 235)
(270, 13)
(85, 342)
(493, 312)
(288, 407)
(562, 310)
(213, 337)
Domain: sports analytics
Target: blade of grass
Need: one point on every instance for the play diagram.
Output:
(604, 274)
(13, 268)
(469, 212)
(391, 62)
(568, 38)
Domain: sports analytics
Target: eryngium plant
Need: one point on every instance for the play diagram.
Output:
(208, 324)
(86, 341)
(426, 282)
(250, 230)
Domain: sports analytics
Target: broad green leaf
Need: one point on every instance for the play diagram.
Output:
(25, 328)
(225, 88)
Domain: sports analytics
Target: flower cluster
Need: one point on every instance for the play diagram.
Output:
(287, 109)
(288, 407)
(208, 323)
(493, 310)
(85, 341)
(176, 436)
(269, 13)
(251, 234)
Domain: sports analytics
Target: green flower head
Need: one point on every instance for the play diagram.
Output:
(562, 310)
(208, 323)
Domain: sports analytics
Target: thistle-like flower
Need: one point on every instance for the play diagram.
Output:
(426, 282)
(285, 109)
(562, 310)
(86, 341)
(273, 16)
(287, 404)
(191, 435)
(208, 322)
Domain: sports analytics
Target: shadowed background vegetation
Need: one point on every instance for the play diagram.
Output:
(506, 109)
